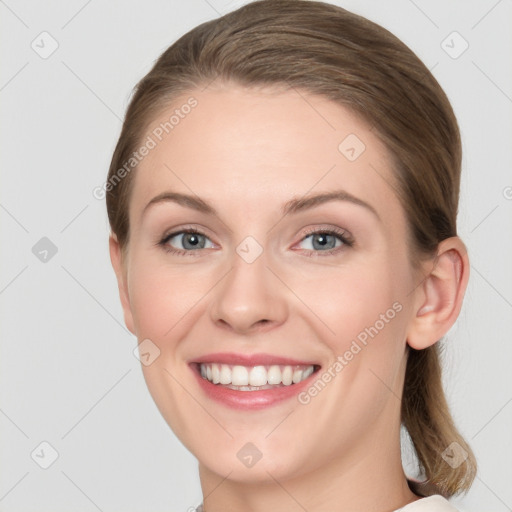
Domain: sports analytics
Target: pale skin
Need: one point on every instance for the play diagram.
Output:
(247, 153)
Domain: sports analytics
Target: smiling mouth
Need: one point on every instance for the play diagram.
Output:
(254, 378)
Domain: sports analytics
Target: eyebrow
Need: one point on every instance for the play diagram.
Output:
(189, 201)
(294, 205)
(304, 203)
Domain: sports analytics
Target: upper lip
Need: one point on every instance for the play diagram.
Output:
(250, 359)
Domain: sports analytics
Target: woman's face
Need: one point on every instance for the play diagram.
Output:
(275, 285)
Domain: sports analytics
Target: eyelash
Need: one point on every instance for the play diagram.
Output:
(340, 234)
(346, 240)
(179, 252)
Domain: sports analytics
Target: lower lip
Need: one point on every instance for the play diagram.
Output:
(249, 400)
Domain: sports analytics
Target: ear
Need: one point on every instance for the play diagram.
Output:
(438, 299)
(116, 257)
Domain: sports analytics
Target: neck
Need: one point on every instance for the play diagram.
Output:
(372, 480)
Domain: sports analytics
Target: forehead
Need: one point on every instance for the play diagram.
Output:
(261, 147)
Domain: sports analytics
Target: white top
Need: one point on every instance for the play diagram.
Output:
(434, 503)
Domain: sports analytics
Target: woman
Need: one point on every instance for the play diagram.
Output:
(283, 202)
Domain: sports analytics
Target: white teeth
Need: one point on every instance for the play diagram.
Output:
(225, 374)
(215, 374)
(274, 375)
(239, 376)
(250, 378)
(258, 376)
(307, 372)
(287, 375)
(297, 376)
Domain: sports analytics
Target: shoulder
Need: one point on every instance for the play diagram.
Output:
(434, 503)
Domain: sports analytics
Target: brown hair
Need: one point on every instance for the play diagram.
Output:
(325, 50)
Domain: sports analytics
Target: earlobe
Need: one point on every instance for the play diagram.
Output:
(116, 258)
(439, 298)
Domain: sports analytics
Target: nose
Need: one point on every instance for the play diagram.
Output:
(250, 298)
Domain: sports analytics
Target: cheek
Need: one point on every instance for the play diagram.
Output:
(161, 298)
(351, 298)
(164, 302)
(363, 308)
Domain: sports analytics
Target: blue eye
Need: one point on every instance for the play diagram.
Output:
(322, 240)
(189, 239)
(326, 241)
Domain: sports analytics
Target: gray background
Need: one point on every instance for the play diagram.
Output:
(68, 375)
